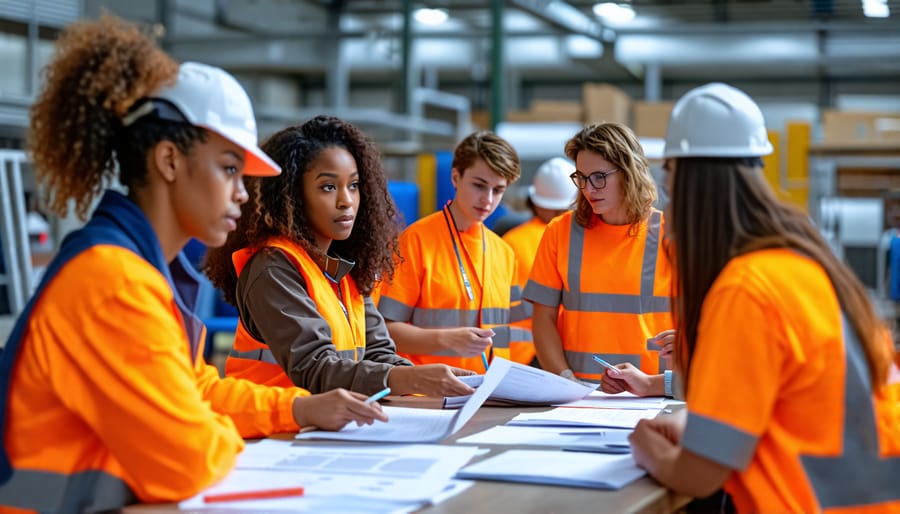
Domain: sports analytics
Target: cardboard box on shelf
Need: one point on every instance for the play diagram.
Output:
(650, 119)
(541, 116)
(605, 102)
(845, 126)
(562, 110)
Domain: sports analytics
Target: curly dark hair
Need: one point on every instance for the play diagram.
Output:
(99, 70)
(276, 207)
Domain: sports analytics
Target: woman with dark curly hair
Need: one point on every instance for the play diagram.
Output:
(105, 398)
(302, 264)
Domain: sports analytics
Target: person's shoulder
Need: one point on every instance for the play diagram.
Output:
(769, 270)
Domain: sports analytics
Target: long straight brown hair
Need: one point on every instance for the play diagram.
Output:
(723, 208)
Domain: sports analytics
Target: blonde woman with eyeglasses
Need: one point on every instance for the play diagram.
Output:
(601, 279)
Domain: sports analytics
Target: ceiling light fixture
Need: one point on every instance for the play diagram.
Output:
(876, 8)
(431, 17)
(614, 13)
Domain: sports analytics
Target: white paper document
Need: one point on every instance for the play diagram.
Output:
(613, 440)
(623, 400)
(407, 425)
(384, 477)
(596, 471)
(525, 385)
(580, 417)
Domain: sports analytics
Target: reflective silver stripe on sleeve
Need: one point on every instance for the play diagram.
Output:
(859, 476)
(718, 441)
(261, 354)
(494, 316)
(392, 310)
(435, 318)
(583, 362)
(45, 491)
(542, 294)
(523, 310)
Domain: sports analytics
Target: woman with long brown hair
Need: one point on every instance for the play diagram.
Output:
(793, 399)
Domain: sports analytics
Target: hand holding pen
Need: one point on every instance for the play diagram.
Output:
(334, 409)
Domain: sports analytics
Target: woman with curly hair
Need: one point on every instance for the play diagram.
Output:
(601, 277)
(302, 264)
(105, 398)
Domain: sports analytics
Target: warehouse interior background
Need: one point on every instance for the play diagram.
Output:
(419, 75)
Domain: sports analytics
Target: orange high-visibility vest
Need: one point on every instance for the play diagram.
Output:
(780, 392)
(428, 289)
(110, 400)
(252, 359)
(524, 241)
(612, 288)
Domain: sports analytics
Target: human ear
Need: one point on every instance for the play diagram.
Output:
(165, 159)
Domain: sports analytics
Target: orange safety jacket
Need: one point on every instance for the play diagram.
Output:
(524, 241)
(780, 393)
(428, 288)
(252, 359)
(106, 398)
(612, 289)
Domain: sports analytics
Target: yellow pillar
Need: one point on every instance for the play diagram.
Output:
(798, 139)
(426, 177)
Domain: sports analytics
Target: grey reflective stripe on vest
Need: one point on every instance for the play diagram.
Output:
(45, 491)
(519, 335)
(645, 302)
(501, 336)
(583, 362)
(494, 316)
(858, 477)
(392, 310)
(262, 354)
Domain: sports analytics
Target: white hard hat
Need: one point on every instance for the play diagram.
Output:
(552, 188)
(211, 98)
(716, 120)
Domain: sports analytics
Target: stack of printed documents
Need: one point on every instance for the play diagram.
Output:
(557, 468)
(382, 478)
(525, 386)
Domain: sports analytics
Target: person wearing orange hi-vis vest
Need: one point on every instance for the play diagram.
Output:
(601, 278)
(105, 399)
(550, 194)
(454, 294)
(791, 380)
(302, 263)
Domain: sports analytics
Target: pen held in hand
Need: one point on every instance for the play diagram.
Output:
(606, 364)
(260, 494)
(377, 396)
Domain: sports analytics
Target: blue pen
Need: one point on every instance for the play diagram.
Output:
(606, 364)
(377, 396)
(484, 360)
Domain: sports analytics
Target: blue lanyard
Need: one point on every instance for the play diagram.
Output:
(462, 269)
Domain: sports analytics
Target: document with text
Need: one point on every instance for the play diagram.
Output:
(409, 425)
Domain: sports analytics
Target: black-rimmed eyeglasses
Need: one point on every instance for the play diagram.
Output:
(597, 178)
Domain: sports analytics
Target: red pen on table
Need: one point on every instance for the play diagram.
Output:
(260, 494)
